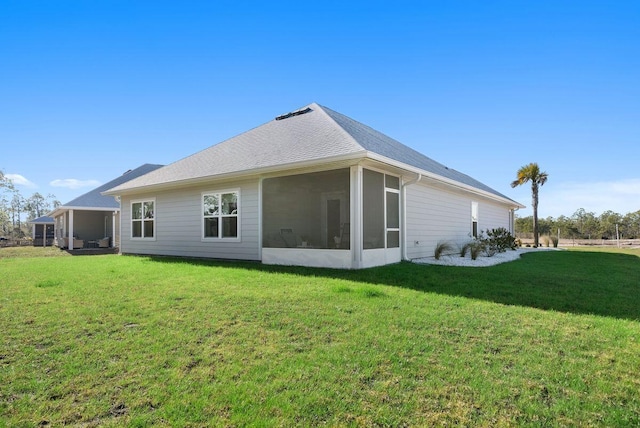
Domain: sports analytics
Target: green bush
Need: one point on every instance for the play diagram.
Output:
(554, 241)
(500, 240)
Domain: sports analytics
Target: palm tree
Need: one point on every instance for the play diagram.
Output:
(532, 173)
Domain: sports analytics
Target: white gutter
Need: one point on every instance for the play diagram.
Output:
(404, 214)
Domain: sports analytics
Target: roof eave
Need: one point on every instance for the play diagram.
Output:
(355, 156)
(65, 208)
(447, 181)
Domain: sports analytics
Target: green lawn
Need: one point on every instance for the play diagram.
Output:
(552, 339)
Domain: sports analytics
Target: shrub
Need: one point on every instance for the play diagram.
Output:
(554, 240)
(476, 247)
(500, 240)
(462, 249)
(441, 248)
(545, 241)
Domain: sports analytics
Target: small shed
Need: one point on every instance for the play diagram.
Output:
(42, 231)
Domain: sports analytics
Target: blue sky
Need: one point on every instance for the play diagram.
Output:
(91, 89)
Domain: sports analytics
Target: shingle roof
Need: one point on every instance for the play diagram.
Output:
(381, 144)
(311, 134)
(42, 220)
(95, 199)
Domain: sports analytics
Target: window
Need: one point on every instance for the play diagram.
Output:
(220, 214)
(474, 219)
(143, 219)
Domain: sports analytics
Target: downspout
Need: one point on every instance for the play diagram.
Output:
(513, 220)
(404, 214)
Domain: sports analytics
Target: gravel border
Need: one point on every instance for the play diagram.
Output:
(482, 261)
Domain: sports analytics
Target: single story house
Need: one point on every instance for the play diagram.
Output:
(312, 187)
(92, 219)
(42, 231)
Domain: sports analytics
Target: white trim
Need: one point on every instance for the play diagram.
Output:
(356, 216)
(63, 208)
(155, 219)
(238, 216)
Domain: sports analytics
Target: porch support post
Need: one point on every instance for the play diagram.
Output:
(70, 230)
(55, 231)
(114, 217)
(65, 227)
(356, 216)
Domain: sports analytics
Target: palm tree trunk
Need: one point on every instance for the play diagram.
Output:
(534, 203)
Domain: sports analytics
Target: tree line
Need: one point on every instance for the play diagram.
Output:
(584, 225)
(581, 225)
(15, 208)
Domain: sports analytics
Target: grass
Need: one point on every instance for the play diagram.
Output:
(552, 339)
(14, 252)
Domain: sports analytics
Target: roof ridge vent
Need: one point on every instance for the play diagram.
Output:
(294, 113)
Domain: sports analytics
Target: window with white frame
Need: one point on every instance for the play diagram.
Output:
(474, 219)
(143, 224)
(220, 214)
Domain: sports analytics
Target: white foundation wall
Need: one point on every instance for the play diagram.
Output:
(178, 216)
(434, 215)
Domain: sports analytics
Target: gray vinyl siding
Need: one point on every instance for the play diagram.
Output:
(492, 216)
(436, 215)
(178, 216)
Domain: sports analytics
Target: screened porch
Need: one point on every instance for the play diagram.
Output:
(307, 211)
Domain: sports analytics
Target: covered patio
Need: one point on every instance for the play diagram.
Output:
(42, 231)
(92, 220)
(85, 228)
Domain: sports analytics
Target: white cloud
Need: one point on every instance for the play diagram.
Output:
(72, 183)
(622, 197)
(19, 180)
